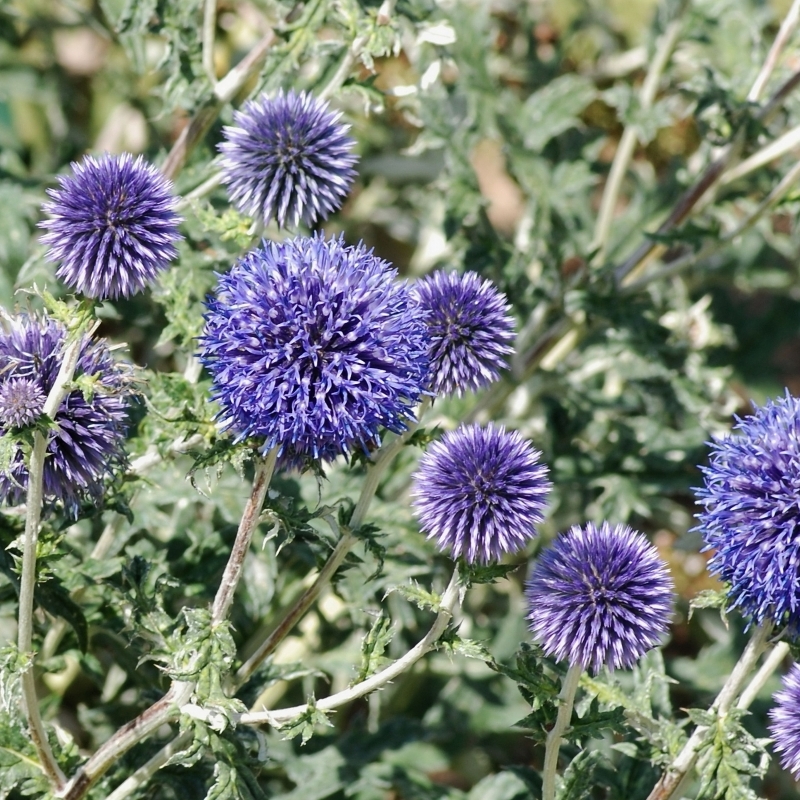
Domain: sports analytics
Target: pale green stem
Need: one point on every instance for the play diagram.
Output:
(33, 515)
(448, 606)
(679, 265)
(627, 143)
(566, 700)
(771, 663)
(788, 27)
(180, 692)
(209, 29)
(375, 472)
(670, 782)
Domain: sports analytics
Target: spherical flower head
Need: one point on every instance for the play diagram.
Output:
(751, 516)
(87, 444)
(785, 722)
(599, 597)
(314, 347)
(21, 402)
(478, 492)
(470, 329)
(112, 226)
(289, 158)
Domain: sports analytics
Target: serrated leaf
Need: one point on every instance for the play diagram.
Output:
(554, 109)
(374, 645)
(472, 574)
(422, 598)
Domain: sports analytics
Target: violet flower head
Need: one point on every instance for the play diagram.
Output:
(751, 513)
(478, 492)
(599, 597)
(314, 347)
(470, 328)
(112, 226)
(21, 402)
(785, 722)
(288, 157)
(88, 443)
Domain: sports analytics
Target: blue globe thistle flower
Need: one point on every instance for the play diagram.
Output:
(91, 431)
(478, 492)
(287, 157)
(470, 328)
(313, 346)
(785, 722)
(112, 226)
(599, 597)
(21, 402)
(751, 513)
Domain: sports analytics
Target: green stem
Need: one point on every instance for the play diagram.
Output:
(297, 611)
(33, 516)
(448, 606)
(180, 692)
(566, 700)
(671, 781)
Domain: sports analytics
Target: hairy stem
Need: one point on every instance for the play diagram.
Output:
(627, 143)
(209, 30)
(689, 260)
(771, 663)
(375, 472)
(224, 91)
(671, 780)
(788, 27)
(247, 525)
(566, 700)
(449, 604)
(180, 692)
(33, 516)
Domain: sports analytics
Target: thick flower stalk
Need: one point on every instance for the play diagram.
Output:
(599, 597)
(112, 226)
(90, 428)
(751, 515)
(479, 492)
(314, 347)
(289, 158)
(785, 722)
(471, 330)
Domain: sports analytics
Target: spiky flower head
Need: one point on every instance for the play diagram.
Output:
(313, 347)
(287, 157)
(112, 226)
(478, 492)
(785, 722)
(751, 513)
(599, 597)
(87, 444)
(470, 329)
(21, 402)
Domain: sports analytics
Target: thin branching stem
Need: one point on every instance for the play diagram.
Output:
(449, 603)
(33, 515)
(180, 692)
(788, 27)
(771, 663)
(209, 32)
(627, 143)
(566, 700)
(297, 611)
(671, 781)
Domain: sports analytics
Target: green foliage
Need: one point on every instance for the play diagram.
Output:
(486, 134)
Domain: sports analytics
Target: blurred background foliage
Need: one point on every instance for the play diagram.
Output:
(486, 130)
